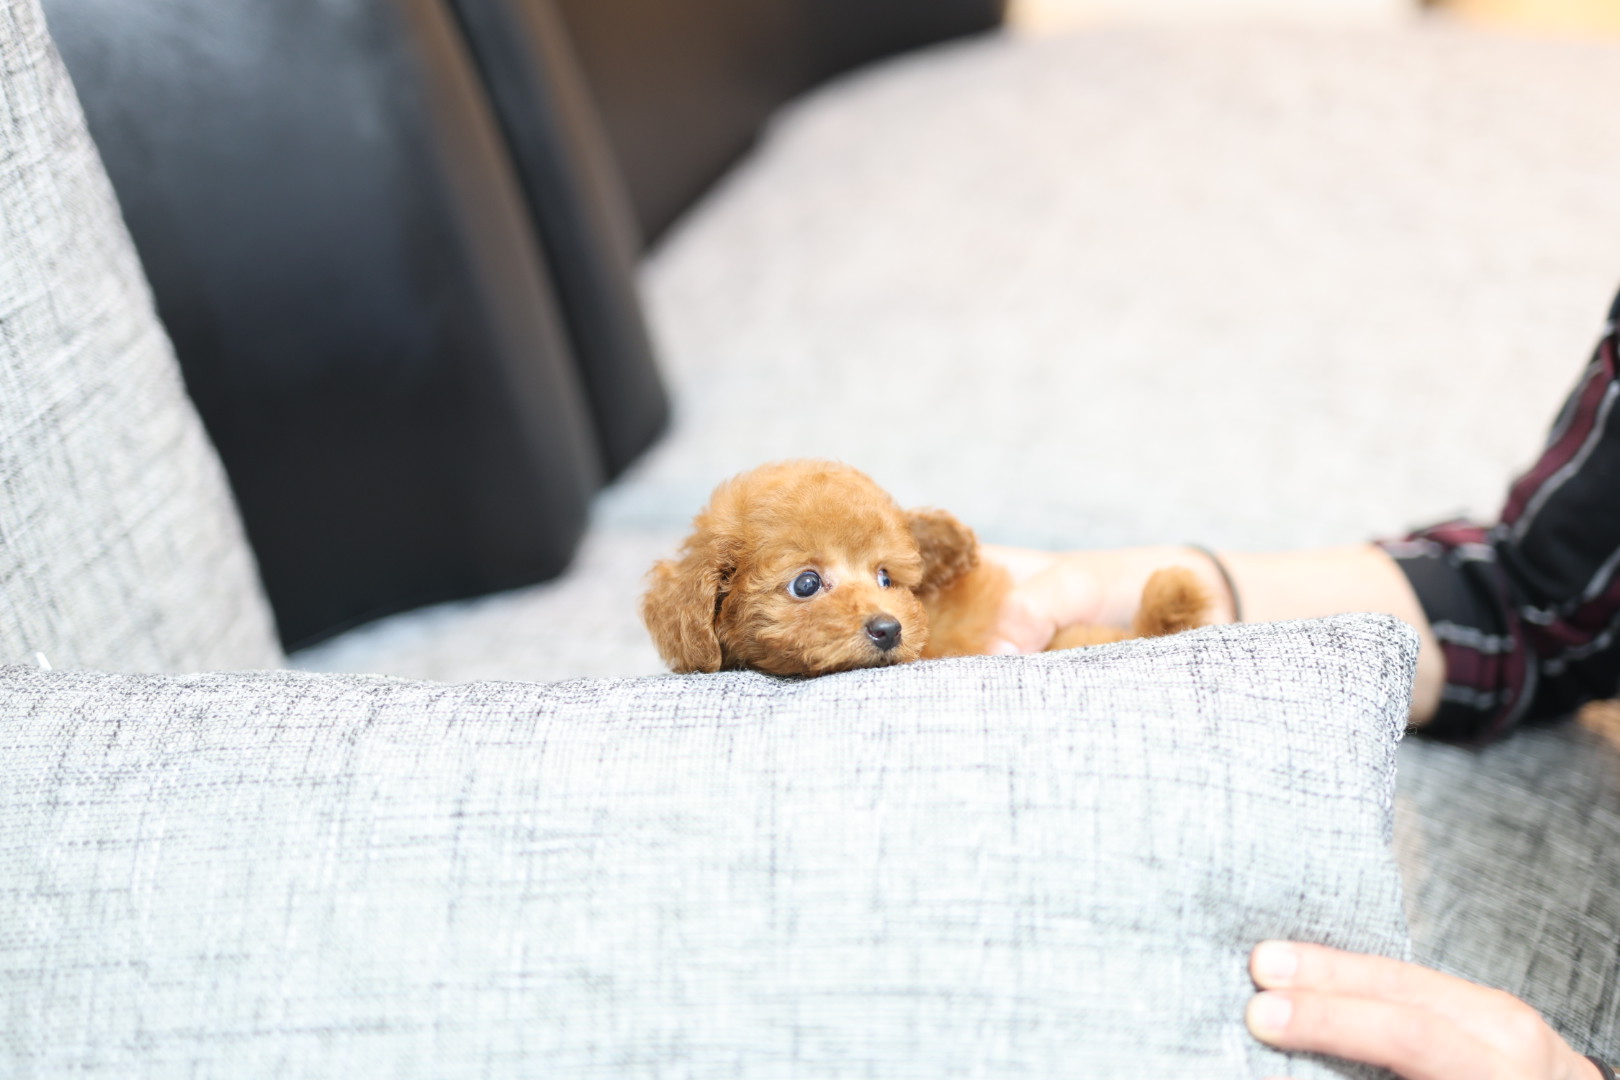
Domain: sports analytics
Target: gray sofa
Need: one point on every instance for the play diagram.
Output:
(1251, 287)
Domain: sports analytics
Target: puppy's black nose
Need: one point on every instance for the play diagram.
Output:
(884, 630)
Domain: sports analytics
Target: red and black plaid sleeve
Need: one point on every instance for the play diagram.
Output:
(1527, 610)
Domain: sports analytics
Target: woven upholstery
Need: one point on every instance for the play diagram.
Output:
(119, 544)
(1512, 859)
(991, 867)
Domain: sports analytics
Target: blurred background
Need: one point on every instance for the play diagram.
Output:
(1567, 16)
(480, 299)
(483, 297)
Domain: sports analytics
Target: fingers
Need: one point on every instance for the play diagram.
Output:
(1276, 965)
(1034, 610)
(1413, 1042)
(1478, 1010)
(1416, 1022)
(1093, 588)
(1019, 625)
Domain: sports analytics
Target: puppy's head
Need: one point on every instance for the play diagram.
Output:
(801, 568)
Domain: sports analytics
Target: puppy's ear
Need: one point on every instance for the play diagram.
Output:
(948, 548)
(680, 603)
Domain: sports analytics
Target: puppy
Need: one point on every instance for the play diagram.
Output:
(808, 567)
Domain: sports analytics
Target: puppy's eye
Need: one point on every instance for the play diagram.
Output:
(806, 585)
(883, 577)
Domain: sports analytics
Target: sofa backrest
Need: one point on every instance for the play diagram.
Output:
(120, 547)
(402, 300)
(685, 89)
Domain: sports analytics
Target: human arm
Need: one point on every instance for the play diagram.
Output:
(1104, 587)
(1518, 620)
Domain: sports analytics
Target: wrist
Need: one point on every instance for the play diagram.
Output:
(1229, 587)
(1212, 571)
(1591, 1068)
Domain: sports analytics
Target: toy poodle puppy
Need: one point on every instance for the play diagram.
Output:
(808, 567)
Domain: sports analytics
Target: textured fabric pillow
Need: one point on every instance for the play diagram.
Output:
(119, 544)
(992, 867)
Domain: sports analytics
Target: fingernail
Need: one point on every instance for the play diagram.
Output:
(1003, 648)
(1274, 963)
(1268, 1015)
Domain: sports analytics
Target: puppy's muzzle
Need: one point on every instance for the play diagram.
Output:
(884, 631)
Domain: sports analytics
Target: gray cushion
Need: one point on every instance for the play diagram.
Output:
(992, 867)
(1512, 859)
(119, 544)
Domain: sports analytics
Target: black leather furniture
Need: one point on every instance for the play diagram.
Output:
(402, 301)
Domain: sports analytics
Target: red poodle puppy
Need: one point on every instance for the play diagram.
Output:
(808, 567)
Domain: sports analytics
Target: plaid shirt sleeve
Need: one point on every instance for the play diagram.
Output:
(1527, 611)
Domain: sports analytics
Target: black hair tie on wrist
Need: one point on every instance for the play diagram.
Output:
(1237, 605)
(1603, 1070)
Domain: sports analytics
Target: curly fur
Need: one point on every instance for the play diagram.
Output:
(724, 600)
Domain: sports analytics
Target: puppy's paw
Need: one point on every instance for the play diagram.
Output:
(1172, 601)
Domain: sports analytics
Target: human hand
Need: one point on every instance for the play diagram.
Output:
(1417, 1023)
(1097, 588)
(1049, 591)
